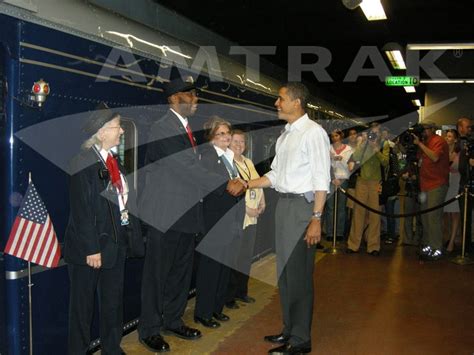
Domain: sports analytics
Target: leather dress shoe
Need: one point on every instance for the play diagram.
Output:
(221, 317)
(374, 253)
(155, 343)
(245, 299)
(277, 338)
(232, 305)
(209, 323)
(288, 349)
(183, 332)
(350, 251)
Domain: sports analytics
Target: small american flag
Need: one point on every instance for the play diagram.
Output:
(32, 237)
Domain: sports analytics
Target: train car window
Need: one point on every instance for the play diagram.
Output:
(127, 150)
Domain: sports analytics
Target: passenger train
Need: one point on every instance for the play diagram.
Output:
(68, 45)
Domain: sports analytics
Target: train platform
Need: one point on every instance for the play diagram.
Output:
(391, 304)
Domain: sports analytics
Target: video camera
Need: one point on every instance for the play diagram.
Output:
(406, 138)
(372, 136)
(467, 143)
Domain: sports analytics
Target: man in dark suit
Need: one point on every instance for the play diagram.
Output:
(175, 183)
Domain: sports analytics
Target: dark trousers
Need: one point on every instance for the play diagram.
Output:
(108, 284)
(295, 265)
(212, 280)
(239, 277)
(166, 280)
(469, 246)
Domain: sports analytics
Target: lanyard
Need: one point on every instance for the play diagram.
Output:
(242, 171)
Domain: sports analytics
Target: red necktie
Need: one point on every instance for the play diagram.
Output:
(112, 167)
(190, 135)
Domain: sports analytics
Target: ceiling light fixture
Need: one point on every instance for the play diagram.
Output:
(447, 81)
(409, 89)
(373, 10)
(396, 59)
(439, 46)
(416, 102)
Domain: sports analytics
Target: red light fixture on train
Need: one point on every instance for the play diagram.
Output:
(40, 91)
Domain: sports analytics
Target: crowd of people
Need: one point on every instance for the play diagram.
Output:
(201, 205)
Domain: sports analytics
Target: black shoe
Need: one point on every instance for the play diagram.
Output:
(350, 251)
(183, 332)
(209, 323)
(374, 253)
(288, 349)
(434, 255)
(221, 317)
(246, 299)
(232, 305)
(277, 338)
(155, 343)
(319, 246)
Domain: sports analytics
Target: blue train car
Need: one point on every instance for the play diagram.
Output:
(88, 55)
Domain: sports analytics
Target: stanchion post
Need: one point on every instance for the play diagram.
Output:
(334, 250)
(462, 259)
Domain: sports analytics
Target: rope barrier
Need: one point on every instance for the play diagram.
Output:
(457, 197)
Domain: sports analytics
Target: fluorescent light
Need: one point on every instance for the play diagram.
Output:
(469, 81)
(373, 10)
(416, 102)
(447, 81)
(396, 59)
(409, 88)
(439, 46)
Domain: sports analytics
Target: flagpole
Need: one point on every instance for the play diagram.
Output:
(30, 298)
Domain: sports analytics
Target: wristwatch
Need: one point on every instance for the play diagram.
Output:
(317, 215)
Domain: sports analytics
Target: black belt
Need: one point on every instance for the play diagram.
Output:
(286, 195)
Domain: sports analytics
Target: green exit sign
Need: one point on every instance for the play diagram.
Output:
(402, 81)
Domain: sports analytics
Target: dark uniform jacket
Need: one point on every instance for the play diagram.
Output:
(175, 181)
(94, 220)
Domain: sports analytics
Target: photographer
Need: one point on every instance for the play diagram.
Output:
(434, 179)
(466, 162)
(371, 155)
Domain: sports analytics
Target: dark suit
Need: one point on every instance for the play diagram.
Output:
(175, 182)
(223, 222)
(94, 227)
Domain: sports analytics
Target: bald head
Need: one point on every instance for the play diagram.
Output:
(463, 126)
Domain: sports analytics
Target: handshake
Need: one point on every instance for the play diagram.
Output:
(237, 187)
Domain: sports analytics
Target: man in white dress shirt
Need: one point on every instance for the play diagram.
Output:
(300, 173)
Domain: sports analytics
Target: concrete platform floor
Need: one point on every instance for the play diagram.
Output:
(391, 304)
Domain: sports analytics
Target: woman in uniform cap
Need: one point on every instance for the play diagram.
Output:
(100, 234)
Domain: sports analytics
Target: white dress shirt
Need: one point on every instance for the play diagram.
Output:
(302, 162)
(228, 154)
(340, 168)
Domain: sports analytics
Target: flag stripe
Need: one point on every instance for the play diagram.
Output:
(34, 243)
(38, 242)
(42, 243)
(26, 236)
(31, 236)
(45, 250)
(12, 238)
(52, 252)
(19, 235)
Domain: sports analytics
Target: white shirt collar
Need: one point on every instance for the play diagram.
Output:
(298, 124)
(183, 120)
(228, 153)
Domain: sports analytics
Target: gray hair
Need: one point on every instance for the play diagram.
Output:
(94, 140)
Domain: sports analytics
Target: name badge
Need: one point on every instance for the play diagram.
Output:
(124, 218)
(253, 194)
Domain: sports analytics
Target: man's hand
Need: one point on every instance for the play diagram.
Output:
(236, 187)
(313, 232)
(94, 260)
(416, 140)
(251, 212)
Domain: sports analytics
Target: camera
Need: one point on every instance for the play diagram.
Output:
(372, 136)
(406, 139)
